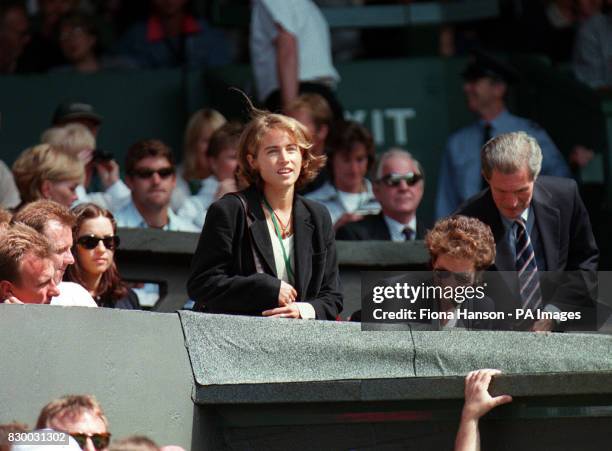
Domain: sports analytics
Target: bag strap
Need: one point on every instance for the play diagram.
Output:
(247, 232)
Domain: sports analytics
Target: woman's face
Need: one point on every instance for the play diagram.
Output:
(62, 192)
(98, 260)
(225, 164)
(350, 168)
(278, 159)
(202, 148)
(454, 271)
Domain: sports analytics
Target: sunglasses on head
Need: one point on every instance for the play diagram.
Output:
(164, 173)
(394, 179)
(91, 241)
(462, 278)
(100, 441)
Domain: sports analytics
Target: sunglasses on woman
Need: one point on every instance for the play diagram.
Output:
(100, 441)
(394, 179)
(91, 241)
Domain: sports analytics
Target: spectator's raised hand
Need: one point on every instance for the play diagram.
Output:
(478, 401)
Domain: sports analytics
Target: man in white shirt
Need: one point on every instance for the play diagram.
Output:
(151, 175)
(26, 266)
(55, 222)
(291, 53)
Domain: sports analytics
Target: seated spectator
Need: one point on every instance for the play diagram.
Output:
(194, 168)
(95, 241)
(81, 417)
(593, 49)
(55, 222)
(313, 111)
(171, 37)
(223, 162)
(348, 196)
(461, 249)
(14, 34)
(76, 139)
(151, 175)
(43, 52)
(78, 41)
(27, 270)
(45, 172)
(77, 112)
(9, 194)
(478, 402)
(399, 189)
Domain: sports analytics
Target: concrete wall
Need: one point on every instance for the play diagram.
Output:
(135, 363)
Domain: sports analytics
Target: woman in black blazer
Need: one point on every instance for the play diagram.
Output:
(266, 250)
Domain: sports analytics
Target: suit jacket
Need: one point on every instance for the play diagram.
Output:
(565, 234)
(223, 274)
(372, 227)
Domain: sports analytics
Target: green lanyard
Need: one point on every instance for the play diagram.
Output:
(280, 238)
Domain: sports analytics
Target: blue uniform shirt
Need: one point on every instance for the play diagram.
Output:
(459, 177)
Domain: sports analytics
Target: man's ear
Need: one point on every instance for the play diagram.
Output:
(6, 289)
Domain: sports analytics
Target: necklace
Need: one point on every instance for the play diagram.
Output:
(284, 228)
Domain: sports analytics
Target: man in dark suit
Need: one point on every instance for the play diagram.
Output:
(539, 224)
(399, 189)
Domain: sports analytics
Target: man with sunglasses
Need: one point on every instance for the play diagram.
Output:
(151, 175)
(54, 222)
(81, 417)
(399, 189)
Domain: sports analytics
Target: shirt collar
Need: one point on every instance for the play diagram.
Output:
(396, 228)
(497, 121)
(508, 223)
(156, 32)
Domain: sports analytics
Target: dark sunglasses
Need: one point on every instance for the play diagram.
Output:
(462, 278)
(394, 179)
(91, 241)
(164, 173)
(100, 441)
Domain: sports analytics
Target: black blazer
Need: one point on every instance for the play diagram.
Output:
(372, 227)
(223, 276)
(564, 231)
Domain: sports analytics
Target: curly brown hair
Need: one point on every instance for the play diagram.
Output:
(111, 287)
(253, 134)
(462, 237)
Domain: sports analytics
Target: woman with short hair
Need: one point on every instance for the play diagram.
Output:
(46, 172)
(266, 250)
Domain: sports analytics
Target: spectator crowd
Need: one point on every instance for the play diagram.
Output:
(271, 197)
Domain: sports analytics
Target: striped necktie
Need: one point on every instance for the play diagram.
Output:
(526, 267)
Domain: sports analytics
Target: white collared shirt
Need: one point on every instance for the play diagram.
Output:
(396, 229)
(130, 217)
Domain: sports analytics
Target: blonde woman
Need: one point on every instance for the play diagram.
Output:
(46, 172)
(195, 166)
(76, 139)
